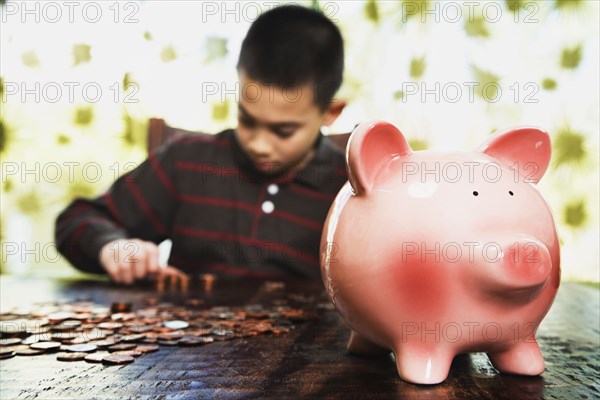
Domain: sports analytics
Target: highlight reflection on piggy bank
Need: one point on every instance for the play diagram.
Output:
(432, 254)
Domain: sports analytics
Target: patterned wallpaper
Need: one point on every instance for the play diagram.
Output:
(80, 79)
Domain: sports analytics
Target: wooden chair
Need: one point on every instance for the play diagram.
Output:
(159, 132)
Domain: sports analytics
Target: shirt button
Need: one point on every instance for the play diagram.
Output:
(268, 207)
(272, 189)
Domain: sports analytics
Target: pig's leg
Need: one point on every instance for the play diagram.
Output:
(423, 365)
(359, 345)
(521, 358)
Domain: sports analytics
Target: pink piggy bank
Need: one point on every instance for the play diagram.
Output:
(432, 254)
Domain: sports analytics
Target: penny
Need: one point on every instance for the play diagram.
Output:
(10, 341)
(46, 346)
(152, 301)
(147, 348)
(102, 344)
(110, 325)
(271, 286)
(122, 347)
(194, 302)
(24, 350)
(6, 350)
(133, 338)
(6, 353)
(168, 342)
(82, 348)
(96, 357)
(176, 324)
(140, 328)
(70, 356)
(117, 359)
(13, 327)
(120, 307)
(59, 316)
(67, 326)
(171, 335)
(195, 341)
(132, 353)
(84, 316)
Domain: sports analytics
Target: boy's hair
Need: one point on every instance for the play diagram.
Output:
(292, 46)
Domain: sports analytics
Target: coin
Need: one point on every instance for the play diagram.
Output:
(102, 344)
(70, 356)
(122, 347)
(194, 302)
(176, 324)
(195, 341)
(13, 327)
(6, 353)
(168, 342)
(25, 350)
(147, 348)
(82, 348)
(96, 357)
(59, 316)
(120, 307)
(66, 326)
(140, 328)
(10, 341)
(133, 338)
(132, 353)
(110, 325)
(117, 359)
(46, 346)
(272, 286)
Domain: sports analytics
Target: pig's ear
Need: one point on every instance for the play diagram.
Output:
(371, 145)
(526, 149)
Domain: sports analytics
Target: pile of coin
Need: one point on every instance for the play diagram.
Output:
(82, 330)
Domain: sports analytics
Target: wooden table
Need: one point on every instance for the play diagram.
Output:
(309, 362)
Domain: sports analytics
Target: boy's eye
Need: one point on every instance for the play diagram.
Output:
(284, 133)
(247, 122)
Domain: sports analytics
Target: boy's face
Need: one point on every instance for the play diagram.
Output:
(277, 128)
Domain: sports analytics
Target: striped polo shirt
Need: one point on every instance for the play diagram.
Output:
(224, 217)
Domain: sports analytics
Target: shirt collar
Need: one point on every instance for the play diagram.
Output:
(322, 166)
(315, 174)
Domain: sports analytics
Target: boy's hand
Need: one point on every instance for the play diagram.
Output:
(126, 260)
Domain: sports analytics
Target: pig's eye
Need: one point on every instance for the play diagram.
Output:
(511, 193)
(476, 193)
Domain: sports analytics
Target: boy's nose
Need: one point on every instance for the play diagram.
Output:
(259, 144)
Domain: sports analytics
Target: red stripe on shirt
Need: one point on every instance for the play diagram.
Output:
(298, 220)
(311, 193)
(85, 222)
(207, 168)
(149, 212)
(112, 207)
(189, 231)
(162, 176)
(78, 209)
(213, 201)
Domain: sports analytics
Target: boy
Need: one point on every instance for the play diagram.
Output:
(245, 202)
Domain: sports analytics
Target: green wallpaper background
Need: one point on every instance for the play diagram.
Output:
(77, 91)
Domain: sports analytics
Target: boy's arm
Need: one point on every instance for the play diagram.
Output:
(138, 205)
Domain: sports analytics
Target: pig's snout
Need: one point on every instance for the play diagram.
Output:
(523, 263)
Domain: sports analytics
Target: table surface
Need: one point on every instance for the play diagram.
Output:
(309, 362)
